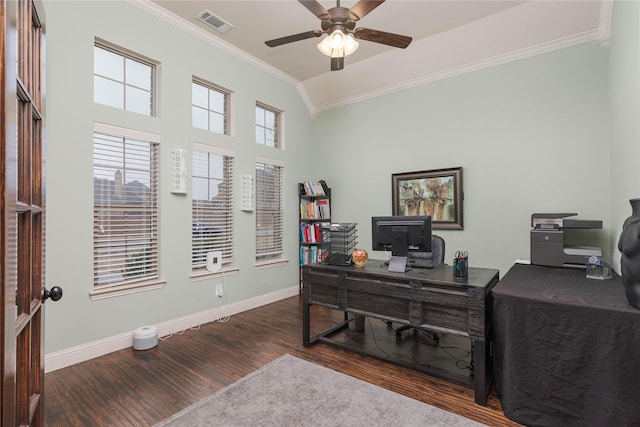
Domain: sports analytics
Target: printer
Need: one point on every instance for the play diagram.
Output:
(547, 240)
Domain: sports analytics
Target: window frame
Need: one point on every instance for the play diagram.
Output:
(275, 252)
(278, 134)
(133, 56)
(144, 282)
(228, 249)
(228, 98)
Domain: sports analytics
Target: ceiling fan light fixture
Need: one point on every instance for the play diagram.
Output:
(338, 28)
(325, 46)
(337, 39)
(333, 50)
(350, 45)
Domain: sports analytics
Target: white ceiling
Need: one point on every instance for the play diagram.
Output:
(450, 37)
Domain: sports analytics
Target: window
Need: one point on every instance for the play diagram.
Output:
(210, 107)
(268, 126)
(269, 210)
(212, 202)
(123, 80)
(125, 206)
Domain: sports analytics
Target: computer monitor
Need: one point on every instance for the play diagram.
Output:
(401, 235)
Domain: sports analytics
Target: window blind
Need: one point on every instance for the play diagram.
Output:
(125, 215)
(212, 202)
(269, 209)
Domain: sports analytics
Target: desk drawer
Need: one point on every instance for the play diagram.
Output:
(455, 309)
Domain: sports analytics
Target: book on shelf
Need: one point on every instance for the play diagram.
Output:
(313, 188)
(318, 189)
(315, 219)
(311, 254)
(318, 209)
(324, 208)
(307, 209)
(311, 233)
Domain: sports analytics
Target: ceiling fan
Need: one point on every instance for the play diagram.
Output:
(340, 25)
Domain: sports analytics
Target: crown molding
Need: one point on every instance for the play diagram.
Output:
(604, 24)
(189, 28)
(313, 111)
(601, 35)
(585, 37)
(186, 26)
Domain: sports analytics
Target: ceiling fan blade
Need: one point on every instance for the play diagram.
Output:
(293, 38)
(362, 8)
(316, 8)
(337, 63)
(390, 39)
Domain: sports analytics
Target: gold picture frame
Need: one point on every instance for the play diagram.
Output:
(437, 193)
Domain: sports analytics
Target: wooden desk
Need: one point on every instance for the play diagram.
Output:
(566, 348)
(426, 298)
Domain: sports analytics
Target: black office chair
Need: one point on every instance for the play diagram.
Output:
(431, 259)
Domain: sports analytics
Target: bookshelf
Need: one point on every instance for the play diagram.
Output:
(315, 218)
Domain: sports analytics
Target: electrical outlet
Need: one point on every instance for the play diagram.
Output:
(219, 291)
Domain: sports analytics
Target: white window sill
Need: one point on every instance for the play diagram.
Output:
(271, 263)
(116, 291)
(197, 276)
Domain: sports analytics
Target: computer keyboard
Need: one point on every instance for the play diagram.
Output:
(417, 263)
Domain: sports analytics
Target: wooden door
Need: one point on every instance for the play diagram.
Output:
(22, 213)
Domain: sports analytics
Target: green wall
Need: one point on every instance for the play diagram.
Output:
(531, 136)
(553, 133)
(624, 80)
(71, 29)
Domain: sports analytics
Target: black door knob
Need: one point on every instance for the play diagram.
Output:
(55, 293)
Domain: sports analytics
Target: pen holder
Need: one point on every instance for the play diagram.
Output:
(461, 266)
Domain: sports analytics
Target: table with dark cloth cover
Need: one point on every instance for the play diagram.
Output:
(566, 348)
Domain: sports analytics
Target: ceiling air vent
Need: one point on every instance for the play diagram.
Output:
(215, 21)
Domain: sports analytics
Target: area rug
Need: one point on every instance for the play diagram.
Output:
(291, 392)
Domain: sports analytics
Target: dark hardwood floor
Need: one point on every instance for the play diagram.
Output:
(141, 388)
